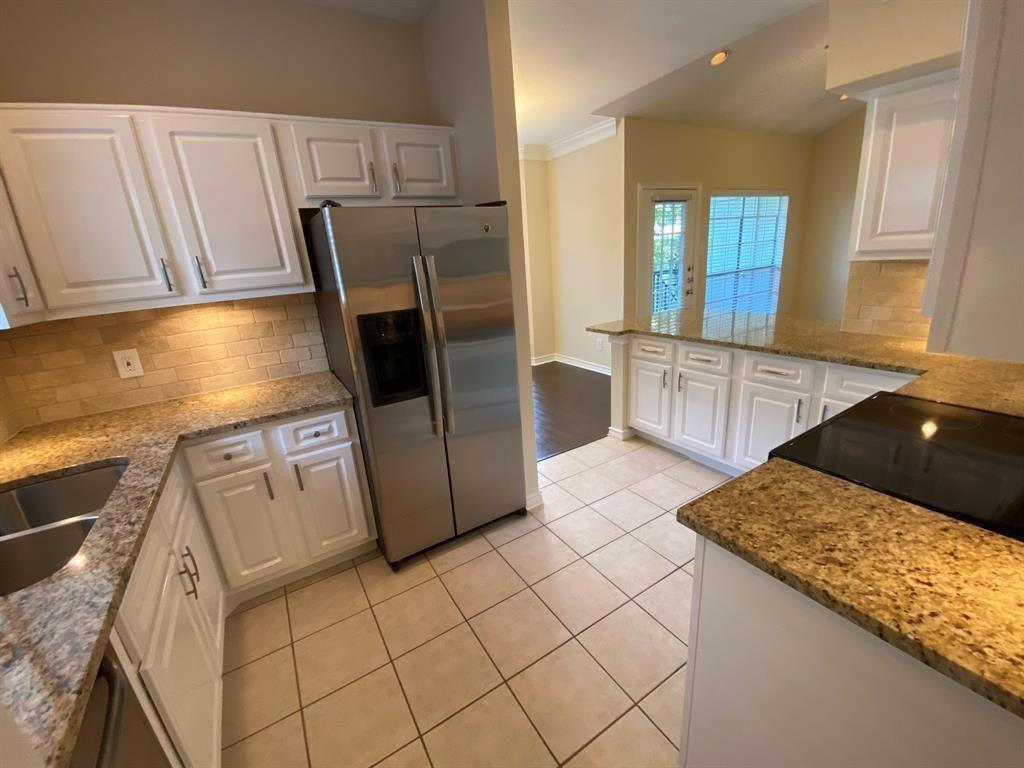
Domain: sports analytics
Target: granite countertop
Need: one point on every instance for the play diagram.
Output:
(53, 634)
(946, 592)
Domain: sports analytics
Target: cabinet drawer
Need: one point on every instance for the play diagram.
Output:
(780, 371)
(705, 359)
(226, 454)
(858, 383)
(312, 432)
(648, 349)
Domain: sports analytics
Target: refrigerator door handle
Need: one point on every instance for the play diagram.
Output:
(442, 344)
(428, 334)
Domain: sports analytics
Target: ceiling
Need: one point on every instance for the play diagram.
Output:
(774, 81)
(572, 57)
(407, 11)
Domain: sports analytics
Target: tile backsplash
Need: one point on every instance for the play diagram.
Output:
(65, 368)
(884, 297)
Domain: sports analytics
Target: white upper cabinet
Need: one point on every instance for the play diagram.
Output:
(902, 172)
(20, 301)
(224, 196)
(335, 160)
(419, 162)
(84, 206)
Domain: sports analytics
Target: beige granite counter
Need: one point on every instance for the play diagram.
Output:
(53, 634)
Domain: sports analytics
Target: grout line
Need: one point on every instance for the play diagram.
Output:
(298, 686)
(392, 754)
(660, 730)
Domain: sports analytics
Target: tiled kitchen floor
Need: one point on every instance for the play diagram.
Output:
(554, 638)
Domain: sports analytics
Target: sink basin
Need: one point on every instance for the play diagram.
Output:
(32, 555)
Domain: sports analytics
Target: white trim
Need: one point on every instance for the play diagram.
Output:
(695, 216)
(533, 152)
(584, 364)
(621, 434)
(606, 129)
(542, 359)
(534, 501)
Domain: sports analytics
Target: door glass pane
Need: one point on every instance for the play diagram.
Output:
(668, 257)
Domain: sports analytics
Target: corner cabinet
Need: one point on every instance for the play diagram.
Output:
(769, 416)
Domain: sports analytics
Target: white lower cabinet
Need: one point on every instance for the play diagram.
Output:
(330, 509)
(700, 411)
(196, 554)
(768, 417)
(650, 398)
(829, 407)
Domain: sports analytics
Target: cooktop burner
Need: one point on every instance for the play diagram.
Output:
(963, 462)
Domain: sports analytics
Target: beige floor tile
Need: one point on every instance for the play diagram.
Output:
(380, 582)
(509, 527)
(569, 698)
(557, 502)
(255, 633)
(410, 756)
(325, 602)
(584, 530)
(664, 705)
(481, 583)
(627, 510)
(313, 578)
(690, 566)
(282, 745)
(492, 733)
(669, 538)
(367, 556)
(560, 467)
(444, 675)
(414, 617)
(537, 554)
(259, 694)
(589, 486)
(454, 553)
(630, 565)
(598, 452)
(579, 595)
(662, 490)
(658, 457)
(631, 741)
(634, 649)
(696, 475)
(669, 601)
(518, 631)
(362, 723)
(543, 481)
(258, 600)
(337, 655)
(628, 469)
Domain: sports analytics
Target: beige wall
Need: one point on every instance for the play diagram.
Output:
(537, 227)
(65, 368)
(585, 198)
(831, 188)
(884, 297)
(261, 55)
(877, 42)
(718, 159)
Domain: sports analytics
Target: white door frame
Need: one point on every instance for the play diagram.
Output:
(648, 193)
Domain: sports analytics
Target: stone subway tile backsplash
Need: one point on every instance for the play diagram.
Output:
(884, 297)
(65, 368)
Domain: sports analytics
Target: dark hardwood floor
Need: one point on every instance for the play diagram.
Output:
(571, 407)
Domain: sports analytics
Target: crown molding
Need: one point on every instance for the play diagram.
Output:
(590, 135)
(533, 152)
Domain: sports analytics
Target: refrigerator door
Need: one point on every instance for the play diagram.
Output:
(466, 255)
(377, 325)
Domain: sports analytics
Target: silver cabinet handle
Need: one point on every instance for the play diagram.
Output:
(774, 371)
(664, 379)
(428, 335)
(110, 671)
(16, 275)
(202, 277)
(298, 476)
(167, 276)
(799, 409)
(679, 382)
(398, 181)
(270, 490)
(653, 350)
(193, 591)
(824, 411)
(704, 359)
(373, 177)
(442, 343)
(228, 456)
(195, 566)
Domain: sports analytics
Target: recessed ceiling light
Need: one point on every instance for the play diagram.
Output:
(719, 57)
(844, 96)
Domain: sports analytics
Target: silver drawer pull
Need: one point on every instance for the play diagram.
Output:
(202, 275)
(799, 409)
(704, 359)
(774, 371)
(193, 590)
(195, 566)
(16, 275)
(679, 382)
(228, 456)
(653, 350)
(298, 476)
(398, 180)
(373, 178)
(270, 490)
(317, 433)
(664, 379)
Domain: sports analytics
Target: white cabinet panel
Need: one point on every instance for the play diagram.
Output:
(180, 677)
(335, 159)
(84, 206)
(137, 618)
(250, 529)
(903, 168)
(419, 162)
(20, 301)
(196, 554)
(700, 411)
(225, 195)
(649, 397)
(331, 514)
(768, 417)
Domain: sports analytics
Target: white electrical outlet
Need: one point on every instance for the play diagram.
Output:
(128, 364)
(599, 344)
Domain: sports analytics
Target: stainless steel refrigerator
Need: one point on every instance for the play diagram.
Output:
(416, 310)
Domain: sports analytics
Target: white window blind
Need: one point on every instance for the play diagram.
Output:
(668, 232)
(746, 239)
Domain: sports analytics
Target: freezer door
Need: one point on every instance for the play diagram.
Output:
(376, 254)
(466, 254)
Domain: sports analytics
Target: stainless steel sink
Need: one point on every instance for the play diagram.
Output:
(43, 524)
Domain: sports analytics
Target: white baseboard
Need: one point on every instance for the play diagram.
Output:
(543, 359)
(578, 363)
(533, 501)
(620, 434)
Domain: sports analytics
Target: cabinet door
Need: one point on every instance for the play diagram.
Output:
(419, 162)
(700, 411)
(649, 397)
(225, 197)
(20, 301)
(137, 617)
(829, 407)
(249, 523)
(331, 513)
(179, 675)
(335, 160)
(85, 208)
(195, 553)
(768, 417)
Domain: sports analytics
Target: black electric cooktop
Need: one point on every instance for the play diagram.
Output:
(962, 462)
